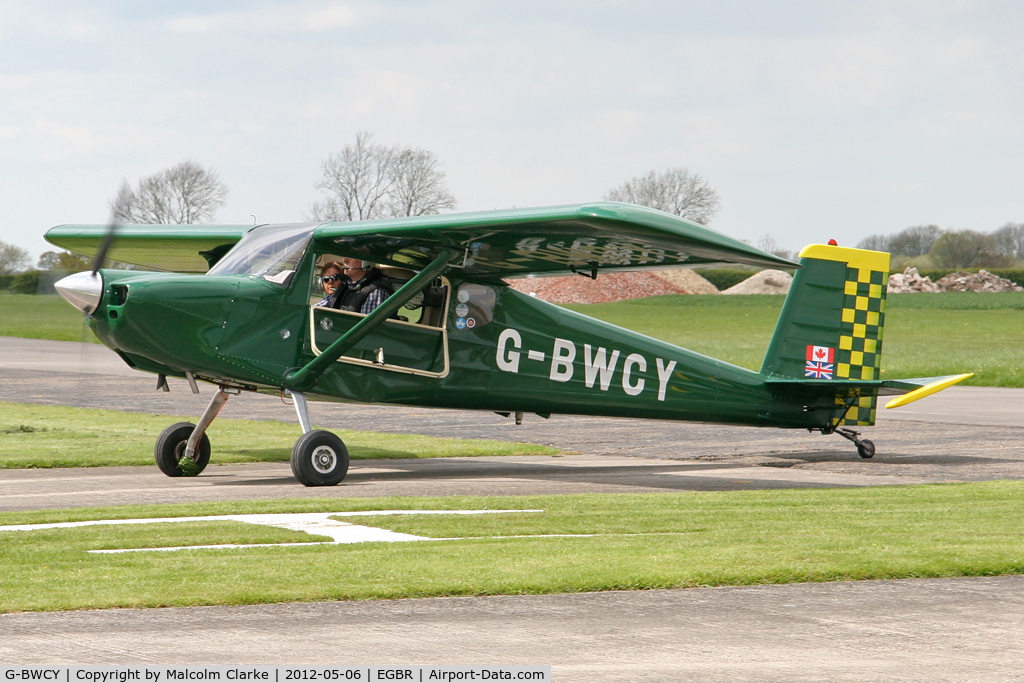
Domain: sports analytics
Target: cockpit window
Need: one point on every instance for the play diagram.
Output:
(272, 253)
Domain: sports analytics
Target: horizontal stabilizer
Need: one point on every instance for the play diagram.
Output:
(924, 387)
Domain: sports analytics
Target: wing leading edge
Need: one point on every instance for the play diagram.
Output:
(176, 248)
(584, 238)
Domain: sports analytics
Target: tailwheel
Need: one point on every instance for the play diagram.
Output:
(170, 451)
(865, 448)
(319, 458)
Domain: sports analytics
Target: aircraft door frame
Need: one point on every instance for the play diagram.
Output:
(393, 338)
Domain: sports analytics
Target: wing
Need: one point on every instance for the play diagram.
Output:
(583, 238)
(177, 248)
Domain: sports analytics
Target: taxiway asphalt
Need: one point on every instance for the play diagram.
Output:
(950, 629)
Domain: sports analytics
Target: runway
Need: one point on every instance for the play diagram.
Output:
(952, 629)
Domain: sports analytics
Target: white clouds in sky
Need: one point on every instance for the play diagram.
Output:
(813, 120)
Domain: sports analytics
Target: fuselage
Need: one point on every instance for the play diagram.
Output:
(493, 348)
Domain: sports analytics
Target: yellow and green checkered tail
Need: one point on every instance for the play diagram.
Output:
(830, 329)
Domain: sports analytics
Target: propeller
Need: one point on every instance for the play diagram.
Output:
(108, 241)
(84, 290)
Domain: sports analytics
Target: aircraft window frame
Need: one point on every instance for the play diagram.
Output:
(442, 329)
(273, 254)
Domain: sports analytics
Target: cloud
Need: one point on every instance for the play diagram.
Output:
(268, 20)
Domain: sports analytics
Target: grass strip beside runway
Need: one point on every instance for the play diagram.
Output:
(640, 541)
(50, 436)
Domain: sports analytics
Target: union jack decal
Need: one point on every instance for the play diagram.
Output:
(818, 370)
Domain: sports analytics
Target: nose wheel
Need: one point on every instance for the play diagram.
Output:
(171, 449)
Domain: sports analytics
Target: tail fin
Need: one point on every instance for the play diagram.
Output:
(831, 324)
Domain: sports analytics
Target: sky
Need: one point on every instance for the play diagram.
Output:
(812, 120)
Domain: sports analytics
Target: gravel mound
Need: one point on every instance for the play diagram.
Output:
(687, 280)
(608, 287)
(763, 282)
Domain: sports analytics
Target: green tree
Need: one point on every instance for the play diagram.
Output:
(966, 249)
(63, 260)
(13, 259)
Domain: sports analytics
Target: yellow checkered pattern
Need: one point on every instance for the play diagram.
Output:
(859, 354)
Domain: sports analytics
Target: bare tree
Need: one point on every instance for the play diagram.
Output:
(874, 243)
(13, 259)
(183, 194)
(673, 191)
(419, 188)
(915, 241)
(767, 243)
(367, 180)
(1009, 240)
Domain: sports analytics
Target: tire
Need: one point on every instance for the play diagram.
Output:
(319, 458)
(865, 448)
(170, 450)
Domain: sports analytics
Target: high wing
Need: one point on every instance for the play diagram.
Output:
(583, 238)
(176, 248)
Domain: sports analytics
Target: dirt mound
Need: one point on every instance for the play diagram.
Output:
(763, 282)
(687, 280)
(608, 287)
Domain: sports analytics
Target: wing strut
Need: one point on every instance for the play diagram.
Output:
(303, 379)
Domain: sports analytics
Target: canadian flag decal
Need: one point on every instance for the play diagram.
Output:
(821, 354)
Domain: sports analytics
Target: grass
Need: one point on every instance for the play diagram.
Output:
(48, 436)
(42, 316)
(642, 541)
(925, 334)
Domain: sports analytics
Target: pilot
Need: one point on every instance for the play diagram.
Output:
(331, 275)
(365, 290)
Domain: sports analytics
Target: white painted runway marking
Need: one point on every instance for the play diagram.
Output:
(317, 523)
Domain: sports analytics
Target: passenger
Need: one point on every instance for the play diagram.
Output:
(331, 275)
(365, 290)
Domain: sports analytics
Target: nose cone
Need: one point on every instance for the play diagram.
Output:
(82, 290)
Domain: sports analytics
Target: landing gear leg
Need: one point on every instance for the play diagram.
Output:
(183, 449)
(865, 448)
(319, 458)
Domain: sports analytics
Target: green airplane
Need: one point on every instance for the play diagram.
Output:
(236, 306)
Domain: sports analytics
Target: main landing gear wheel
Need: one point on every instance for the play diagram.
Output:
(319, 458)
(170, 451)
(865, 448)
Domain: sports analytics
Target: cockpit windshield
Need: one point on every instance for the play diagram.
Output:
(271, 252)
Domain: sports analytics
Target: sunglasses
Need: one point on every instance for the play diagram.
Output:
(331, 278)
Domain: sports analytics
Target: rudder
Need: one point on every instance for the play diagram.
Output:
(831, 324)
